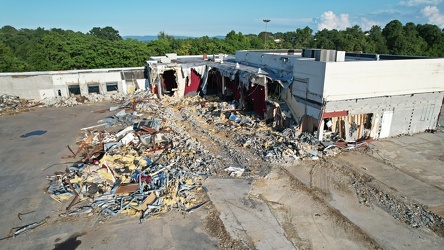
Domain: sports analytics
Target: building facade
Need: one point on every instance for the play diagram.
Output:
(334, 94)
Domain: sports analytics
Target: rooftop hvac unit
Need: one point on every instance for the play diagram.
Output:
(340, 56)
(165, 60)
(308, 53)
(171, 56)
(325, 55)
(218, 58)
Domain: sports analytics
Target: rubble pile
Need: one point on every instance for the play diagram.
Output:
(90, 98)
(10, 104)
(411, 213)
(143, 169)
(139, 161)
(59, 102)
(247, 130)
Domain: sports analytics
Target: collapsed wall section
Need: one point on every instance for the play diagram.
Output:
(41, 85)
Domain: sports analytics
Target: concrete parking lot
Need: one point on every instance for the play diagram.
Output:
(25, 163)
(311, 204)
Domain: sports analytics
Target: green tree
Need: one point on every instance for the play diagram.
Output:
(326, 39)
(395, 36)
(58, 49)
(414, 43)
(255, 41)
(8, 62)
(164, 36)
(378, 40)
(303, 38)
(107, 33)
(434, 38)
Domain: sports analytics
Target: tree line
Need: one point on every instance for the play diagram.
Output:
(38, 49)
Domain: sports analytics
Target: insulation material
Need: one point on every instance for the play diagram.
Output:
(187, 68)
(181, 82)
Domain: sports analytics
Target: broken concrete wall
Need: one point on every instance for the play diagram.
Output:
(410, 113)
(27, 86)
(181, 81)
(193, 83)
(131, 80)
(403, 112)
(300, 107)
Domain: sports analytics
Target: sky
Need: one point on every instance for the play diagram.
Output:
(213, 18)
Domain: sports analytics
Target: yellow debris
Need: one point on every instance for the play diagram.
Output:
(142, 161)
(76, 179)
(61, 197)
(131, 167)
(128, 158)
(125, 179)
(105, 175)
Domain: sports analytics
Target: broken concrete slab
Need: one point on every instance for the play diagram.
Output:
(246, 219)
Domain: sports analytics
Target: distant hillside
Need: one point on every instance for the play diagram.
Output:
(141, 38)
(150, 38)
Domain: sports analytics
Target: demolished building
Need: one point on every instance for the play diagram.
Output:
(337, 95)
(52, 84)
(334, 94)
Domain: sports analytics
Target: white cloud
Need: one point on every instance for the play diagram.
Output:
(330, 21)
(411, 3)
(366, 24)
(433, 15)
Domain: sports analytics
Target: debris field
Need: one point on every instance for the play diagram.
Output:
(145, 159)
(138, 161)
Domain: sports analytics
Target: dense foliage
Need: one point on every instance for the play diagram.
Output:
(57, 49)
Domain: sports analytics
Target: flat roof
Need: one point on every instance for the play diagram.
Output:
(35, 73)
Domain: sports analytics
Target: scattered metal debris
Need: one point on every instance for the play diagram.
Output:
(138, 161)
(134, 164)
(14, 232)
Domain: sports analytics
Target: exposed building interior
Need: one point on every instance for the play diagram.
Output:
(333, 94)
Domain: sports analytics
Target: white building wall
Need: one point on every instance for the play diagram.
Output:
(34, 87)
(61, 81)
(39, 85)
(313, 72)
(366, 79)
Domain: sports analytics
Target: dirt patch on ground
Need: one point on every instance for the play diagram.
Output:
(216, 228)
